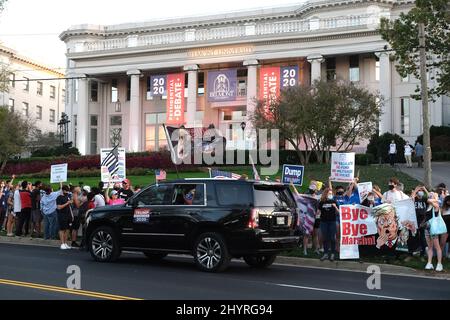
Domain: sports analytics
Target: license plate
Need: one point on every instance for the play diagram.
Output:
(281, 220)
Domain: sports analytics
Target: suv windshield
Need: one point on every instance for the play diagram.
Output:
(273, 196)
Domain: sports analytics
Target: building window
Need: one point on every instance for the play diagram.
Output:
(52, 92)
(25, 109)
(94, 131)
(12, 80)
(128, 89)
(52, 115)
(377, 70)
(26, 84)
(331, 69)
(40, 88)
(94, 91)
(115, 131)
(11, 105)
(201, 84)
(75, 90)
(155, 137)
(114, 91)
(75, 124)
(39, 112)
(242, 82)
(405, 113)
(63, 96)
(354, 68)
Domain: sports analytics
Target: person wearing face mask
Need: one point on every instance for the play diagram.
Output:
(371, 201)
(420, 197)
(446, 217)
(393, 195)
(316, 236)
(432, 240)
(328, 211)
(64, 212)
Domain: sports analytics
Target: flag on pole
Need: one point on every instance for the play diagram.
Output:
(112, 161)
(255, 172)
(160, 175)
(217, 174)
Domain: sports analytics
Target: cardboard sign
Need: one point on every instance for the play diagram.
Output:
(58, 173)
(293, 173)
(343, 167)
(364, 189)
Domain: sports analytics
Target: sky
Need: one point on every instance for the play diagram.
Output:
(32, 27)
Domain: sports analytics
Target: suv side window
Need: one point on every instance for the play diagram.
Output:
(154, 196)
(188, 195)
(233, 194)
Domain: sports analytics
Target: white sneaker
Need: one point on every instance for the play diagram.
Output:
(429, 266)
(439, 267)
(63, 247)
(67, 246)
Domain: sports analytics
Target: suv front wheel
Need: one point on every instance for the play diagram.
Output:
(260, 261)
(211, 252)
(104, 245)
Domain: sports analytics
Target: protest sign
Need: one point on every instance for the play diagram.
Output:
(114, 161)
(293, 173)
(308, 207)
(363, 189)
(58, 173)
(343, 167)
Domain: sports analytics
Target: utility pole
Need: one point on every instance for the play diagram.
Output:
(425, 107)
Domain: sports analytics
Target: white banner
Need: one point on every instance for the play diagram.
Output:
(113, 165)
(58, 173)
(343, 167)
(363, 189)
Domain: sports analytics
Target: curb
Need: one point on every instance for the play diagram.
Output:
(350, 266)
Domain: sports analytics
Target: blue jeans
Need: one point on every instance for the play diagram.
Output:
(328, 230)
(50, 231)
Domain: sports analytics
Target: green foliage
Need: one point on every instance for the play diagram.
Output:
(402, 36)
(55, 152)
(440, 139)
(379, 147)
(364, 159)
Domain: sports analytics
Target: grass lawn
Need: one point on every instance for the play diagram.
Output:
(377, 174)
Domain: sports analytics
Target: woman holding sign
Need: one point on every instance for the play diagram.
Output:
(328, 211)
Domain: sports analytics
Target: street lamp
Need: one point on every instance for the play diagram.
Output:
(118, 106)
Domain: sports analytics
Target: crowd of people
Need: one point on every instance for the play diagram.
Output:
(325, 237)
(26, 207)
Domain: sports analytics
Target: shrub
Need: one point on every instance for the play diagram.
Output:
(379, 147)
(55, 152)
(441, 156)
(364, 159)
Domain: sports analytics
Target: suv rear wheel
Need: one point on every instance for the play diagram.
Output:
(211, 253)
(260, 261)
(104, 245)
(154, 256)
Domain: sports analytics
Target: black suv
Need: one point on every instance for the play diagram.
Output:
(213, 220)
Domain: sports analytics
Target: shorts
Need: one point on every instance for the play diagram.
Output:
(317, 224)
(64, 221)
(36, 216)
(427, 232)
(75, 223)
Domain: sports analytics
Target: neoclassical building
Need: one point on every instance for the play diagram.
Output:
(129, 79)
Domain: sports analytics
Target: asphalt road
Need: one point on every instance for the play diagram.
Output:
(24, 270)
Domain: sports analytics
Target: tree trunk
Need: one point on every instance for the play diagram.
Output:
(327, 156)
(2, 168)
(319, 155)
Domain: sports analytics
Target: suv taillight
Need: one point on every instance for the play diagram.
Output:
(253, 222)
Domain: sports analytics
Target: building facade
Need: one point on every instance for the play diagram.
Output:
(127, 78)
(35, 90)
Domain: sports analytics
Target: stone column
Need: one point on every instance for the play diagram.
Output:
(316, 61)
(134, 130)
(386, 92)
(252, 94)
(192, 95)
(83, 116)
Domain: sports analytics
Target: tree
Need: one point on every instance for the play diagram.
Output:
(402, 35)
(15, 131)
(321, 117)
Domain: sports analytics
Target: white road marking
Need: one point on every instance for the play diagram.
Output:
(337, 291)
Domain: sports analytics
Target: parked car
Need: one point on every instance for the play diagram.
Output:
(213, 220)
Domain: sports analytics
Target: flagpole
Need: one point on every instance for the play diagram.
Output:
(172, 150)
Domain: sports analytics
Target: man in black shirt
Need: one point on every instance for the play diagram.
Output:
(65, 217)
(36, 215)
(328, 211)
(420, 197)
(126, 193)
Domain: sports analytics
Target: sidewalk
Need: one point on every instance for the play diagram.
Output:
(440, 172)
(295, 261)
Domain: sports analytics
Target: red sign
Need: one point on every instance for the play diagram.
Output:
(175, 99)
(269, 84)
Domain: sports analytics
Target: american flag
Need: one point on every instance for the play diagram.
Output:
(224, 174)
(308, 208)
(112, 161)
(160, 175)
